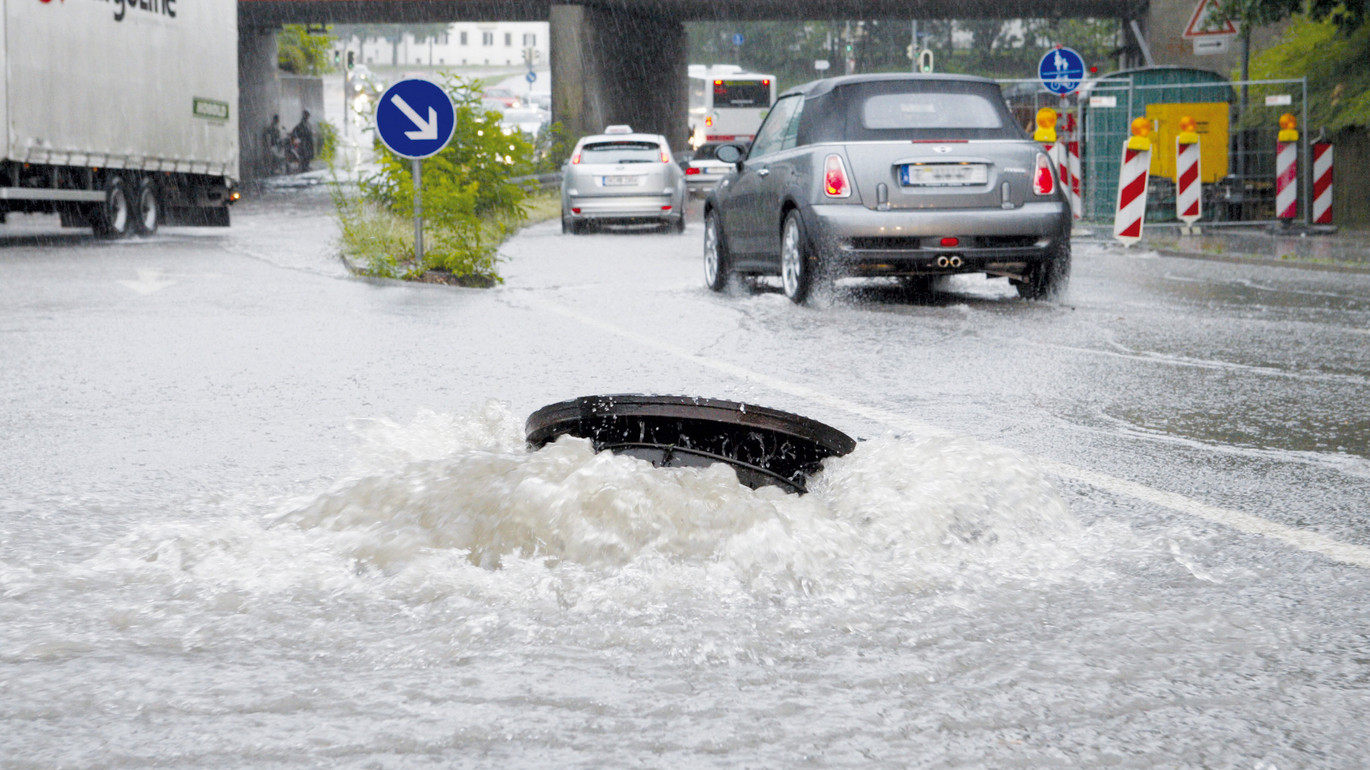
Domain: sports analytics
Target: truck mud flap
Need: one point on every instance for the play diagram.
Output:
(764, 446)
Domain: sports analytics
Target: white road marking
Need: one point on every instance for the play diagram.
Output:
(1301, 539)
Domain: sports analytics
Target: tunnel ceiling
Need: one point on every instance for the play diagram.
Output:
(271, 12)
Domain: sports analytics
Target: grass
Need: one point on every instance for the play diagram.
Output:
(379, 243)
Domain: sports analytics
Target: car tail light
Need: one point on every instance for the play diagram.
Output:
(665, 208)
(1043, 181)
(709, 121)
(691, 171)
(835, 182)
(575, 211)
(575, 159)
(950, 242)
(665, 157)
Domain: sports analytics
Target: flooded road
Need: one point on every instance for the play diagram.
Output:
(257, 513)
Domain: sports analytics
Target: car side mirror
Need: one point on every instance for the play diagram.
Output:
(730, 153)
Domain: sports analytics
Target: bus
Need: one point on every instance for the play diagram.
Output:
(726, 103)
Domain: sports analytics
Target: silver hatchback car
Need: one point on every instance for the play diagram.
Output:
(621, 177)
(909, 176)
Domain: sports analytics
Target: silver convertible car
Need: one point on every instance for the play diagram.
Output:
(620, 177)
(910, 176)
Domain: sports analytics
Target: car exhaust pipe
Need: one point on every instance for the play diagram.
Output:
(954, 261)
(943, 262)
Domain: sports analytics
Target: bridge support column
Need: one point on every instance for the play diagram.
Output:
(259, 96)
(611, 66)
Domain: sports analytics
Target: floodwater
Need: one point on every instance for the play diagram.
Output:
(434, 594)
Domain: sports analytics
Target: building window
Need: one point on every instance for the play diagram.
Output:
(487, 38)
(530, 40)
(508, 39)
(463, 38)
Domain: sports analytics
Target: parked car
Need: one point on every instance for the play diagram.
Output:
(912, 176)
(621, 177)
(703, 170)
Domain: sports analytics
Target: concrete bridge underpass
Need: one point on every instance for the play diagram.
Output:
(612, 61)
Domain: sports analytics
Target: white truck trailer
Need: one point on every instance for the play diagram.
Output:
(119, 115)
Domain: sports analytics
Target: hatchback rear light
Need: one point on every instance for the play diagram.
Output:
(835, 183)
(1043, 181)
(575, 159)
(691, 171)
(665, 157)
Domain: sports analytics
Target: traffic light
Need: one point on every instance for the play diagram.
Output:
(351, 59)
(336, 54)
(925, 61)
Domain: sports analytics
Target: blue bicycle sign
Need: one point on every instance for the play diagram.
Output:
(1061, 71)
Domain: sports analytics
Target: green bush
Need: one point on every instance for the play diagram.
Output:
(469, 202)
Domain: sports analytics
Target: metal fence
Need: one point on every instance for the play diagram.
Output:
(1238, 127)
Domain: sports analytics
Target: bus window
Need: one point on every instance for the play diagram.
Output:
(742, 93)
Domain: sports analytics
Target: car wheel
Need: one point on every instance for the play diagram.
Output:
(114, 217)
(1047, 279)
(796, 263)
(716, 257)
(679, 225)
(149, 210)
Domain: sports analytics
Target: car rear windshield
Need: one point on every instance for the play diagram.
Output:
(901, 110)
(621, 152)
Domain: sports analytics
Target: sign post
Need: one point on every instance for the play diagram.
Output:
(415, 119)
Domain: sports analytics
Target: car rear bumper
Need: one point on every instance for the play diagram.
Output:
(903, 241)
(638, 207)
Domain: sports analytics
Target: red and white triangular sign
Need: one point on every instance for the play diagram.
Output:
(1201, 26)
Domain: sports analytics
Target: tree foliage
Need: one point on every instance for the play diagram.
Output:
(1348, 15)
(991, 48)
(301, 53)
(1333, 59)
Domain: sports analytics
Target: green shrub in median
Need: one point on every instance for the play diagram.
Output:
(469, 202)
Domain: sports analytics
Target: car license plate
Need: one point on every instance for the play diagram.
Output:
(943, 174)
(620, 181)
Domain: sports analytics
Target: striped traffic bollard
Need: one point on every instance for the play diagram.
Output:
(1188, 187)
(1046, 135)
(1070, 167)
(1287, 170)
(1322, 183)
(1127, 221)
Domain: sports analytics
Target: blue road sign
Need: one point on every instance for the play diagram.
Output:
(738, 39)
(415, 118)
(531, 77)
(1061, 70)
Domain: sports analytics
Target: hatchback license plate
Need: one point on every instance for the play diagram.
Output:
(943, 174)
(620, 181)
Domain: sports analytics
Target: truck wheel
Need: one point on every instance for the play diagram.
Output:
(114, 217)
(149, 208)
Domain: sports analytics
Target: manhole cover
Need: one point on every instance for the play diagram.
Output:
(765, 446)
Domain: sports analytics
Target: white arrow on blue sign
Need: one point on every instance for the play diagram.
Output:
(415, 118)
(1061, 71)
